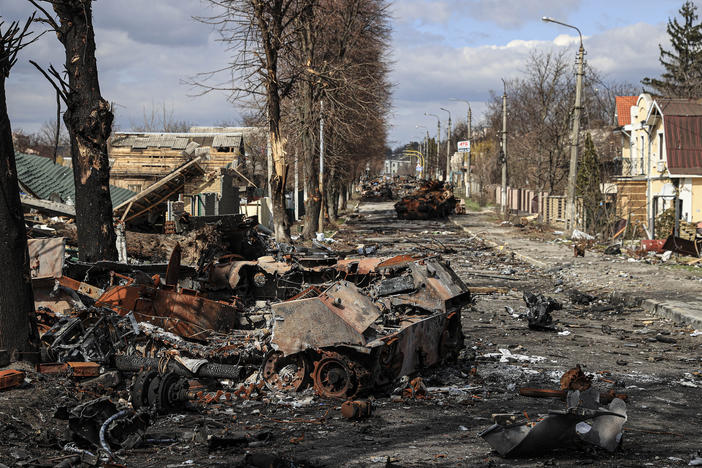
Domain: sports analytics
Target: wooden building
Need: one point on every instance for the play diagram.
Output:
(141, 159)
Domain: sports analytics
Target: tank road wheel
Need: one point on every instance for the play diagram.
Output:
(140, 389)
(286, 373)
(334, 377)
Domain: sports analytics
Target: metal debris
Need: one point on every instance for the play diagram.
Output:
(432, 200)
(539, 313)
(583, 420)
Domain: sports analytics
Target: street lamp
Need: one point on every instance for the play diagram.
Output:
(448, 146)
(426, 145)
(438, 138)
(571, 221)
(469, 122)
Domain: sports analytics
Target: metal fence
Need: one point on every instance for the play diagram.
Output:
(551, 209)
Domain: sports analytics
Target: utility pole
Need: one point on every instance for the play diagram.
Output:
(438, 143)
(425, 152)
(571, 213)
(321, 166)
(470, 150)
(467, 158)
(426, 155)
(503, 152)
(447, 175)
(297, 191)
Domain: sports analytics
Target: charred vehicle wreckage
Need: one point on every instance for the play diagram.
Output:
(288, 320)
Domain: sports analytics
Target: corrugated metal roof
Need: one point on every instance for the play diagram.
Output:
(683, 144)
(140, 143)
(123, 140)
(176, 141)
(226, 141)
(680, 107)
(45, 178)
(202, 152)
(180, 143)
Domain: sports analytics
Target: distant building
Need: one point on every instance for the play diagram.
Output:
(404, 165)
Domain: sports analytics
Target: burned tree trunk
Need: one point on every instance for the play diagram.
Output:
(88, 118)
(312, 204)
(16, 296)
(344, 196)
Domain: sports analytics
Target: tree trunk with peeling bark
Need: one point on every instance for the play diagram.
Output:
(311, 176)
(16, 295)
(89, 122)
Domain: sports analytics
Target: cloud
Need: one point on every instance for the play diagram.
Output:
(145, 51)
(440, 50)
(506, 14)
(427, 76)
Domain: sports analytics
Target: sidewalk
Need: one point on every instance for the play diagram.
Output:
(669, 291)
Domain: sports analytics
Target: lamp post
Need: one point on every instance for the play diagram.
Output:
(467, 160)
(420, 149)
(438, 140)
(571, 221)
(447, 175)
(426, 149)
(503, 152)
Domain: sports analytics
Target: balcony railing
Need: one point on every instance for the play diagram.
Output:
(632, 167)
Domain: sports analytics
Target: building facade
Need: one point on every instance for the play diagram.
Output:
(661, 159)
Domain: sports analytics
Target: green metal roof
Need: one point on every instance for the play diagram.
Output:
(45, 178)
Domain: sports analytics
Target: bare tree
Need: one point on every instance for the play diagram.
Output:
(88, 118)
(340, 57)
(160, 118)
(540, 112)
(260, 34)
(17, 298)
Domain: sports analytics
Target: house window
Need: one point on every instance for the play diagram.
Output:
(136, 188)
(660, 146)
(642, 154)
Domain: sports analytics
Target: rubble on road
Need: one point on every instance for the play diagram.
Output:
(379, 189)
(314, 331)
(432, 200)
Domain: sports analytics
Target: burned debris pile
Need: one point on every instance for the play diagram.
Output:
(228, 328)
(539, 311)
(432, 200)
(379, 189)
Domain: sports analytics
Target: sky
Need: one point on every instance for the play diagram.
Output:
(443, 49)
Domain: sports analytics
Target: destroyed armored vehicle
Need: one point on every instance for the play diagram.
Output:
(345, 343)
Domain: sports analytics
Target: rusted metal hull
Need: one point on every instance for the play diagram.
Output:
(433, 200)
(339, 316)
(353, 349)
(187, 315)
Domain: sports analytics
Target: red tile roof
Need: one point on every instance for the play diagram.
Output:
(624, 104)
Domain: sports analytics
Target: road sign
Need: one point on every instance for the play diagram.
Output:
(464, 146)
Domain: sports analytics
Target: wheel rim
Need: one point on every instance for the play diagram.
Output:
(286, 373)
(334, 378)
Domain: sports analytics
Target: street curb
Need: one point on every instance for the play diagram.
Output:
(676, 311)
